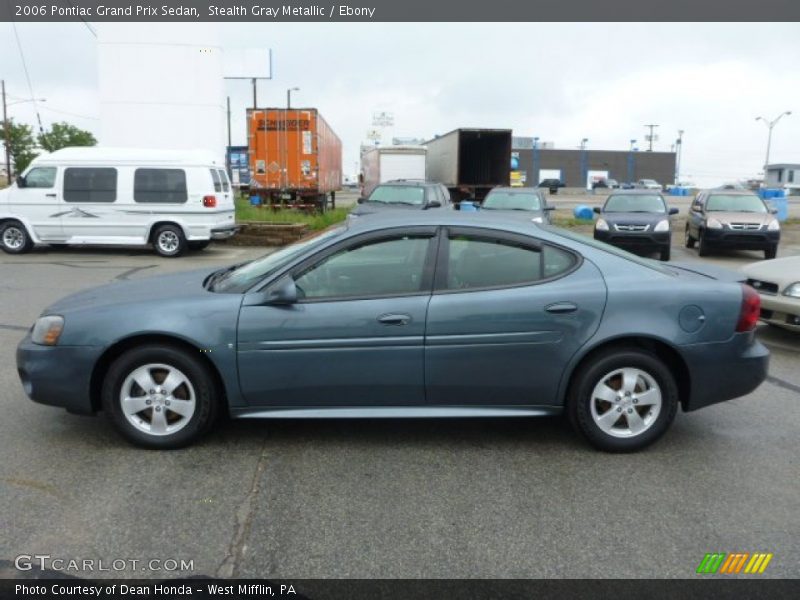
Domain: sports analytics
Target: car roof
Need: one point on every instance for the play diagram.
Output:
(443, 218)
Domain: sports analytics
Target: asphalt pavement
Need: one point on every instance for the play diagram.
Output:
(412, 499)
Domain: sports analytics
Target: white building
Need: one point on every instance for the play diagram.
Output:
(785, 176)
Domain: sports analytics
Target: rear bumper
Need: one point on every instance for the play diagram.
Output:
(223, 233)
(725, 370)
(745, 240)
(57, 375)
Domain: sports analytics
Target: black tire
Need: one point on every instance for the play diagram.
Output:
(690, 241)
(169, 241)
(205, 393)
(771, 252)
(196, 246)
(664, 254)
(702, 246)
(579, 401)
(14, 238)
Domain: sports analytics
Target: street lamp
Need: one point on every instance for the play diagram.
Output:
(678, 147)
(770, 125)
(289, 96)
(584, 163)
(535, 174)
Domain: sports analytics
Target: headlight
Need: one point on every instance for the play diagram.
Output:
(793, 290)
(713, 223)
(47, 330)
(601, 225)
(662, 225)
(774, 225)
(537, 220)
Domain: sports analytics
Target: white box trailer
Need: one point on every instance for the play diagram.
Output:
(382, 164)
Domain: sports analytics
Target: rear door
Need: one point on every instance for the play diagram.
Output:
(506, 315)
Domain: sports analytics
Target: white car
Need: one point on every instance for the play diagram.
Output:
(648, 184)
(778, 283)
(173, 200)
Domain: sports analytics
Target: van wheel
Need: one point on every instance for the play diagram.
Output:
(169, 241)
(199, 245)
(14, 238)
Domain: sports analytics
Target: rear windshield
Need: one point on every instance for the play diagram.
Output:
(650, 203)
(398, 194)
(735, 203)
(512, 201)
(217, 182)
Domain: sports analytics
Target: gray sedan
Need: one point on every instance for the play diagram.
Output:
(424, 314)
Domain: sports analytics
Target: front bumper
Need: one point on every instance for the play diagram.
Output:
(742, 239)
(57, 375)
(782, 311)
(635, 240)
(223, 233)
(724, 370)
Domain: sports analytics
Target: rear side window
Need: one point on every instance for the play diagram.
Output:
(217, 182)
(160, 186)
(90, 184)
(223, 178)
(483, 263)
(556, 261)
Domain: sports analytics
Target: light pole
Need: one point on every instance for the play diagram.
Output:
(631, 174)
(289, 96)
(584, 161)
(651, 137)
(535, 174)
(770, 125)
(678, 146)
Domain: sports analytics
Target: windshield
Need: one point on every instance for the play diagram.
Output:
(735, 203)
(244, 276)
(397, 194)
(512, 201)
(651, 203)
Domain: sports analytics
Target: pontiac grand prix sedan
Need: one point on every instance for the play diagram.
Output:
(415, 314)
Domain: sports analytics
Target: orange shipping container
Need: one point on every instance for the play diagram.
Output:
(293, 152)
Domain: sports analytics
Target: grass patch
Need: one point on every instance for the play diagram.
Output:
(571, 222)
(315, 221)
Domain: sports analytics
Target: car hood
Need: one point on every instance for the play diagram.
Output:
(633, 218)
(741, 217)
(149, 289)
(782, 271)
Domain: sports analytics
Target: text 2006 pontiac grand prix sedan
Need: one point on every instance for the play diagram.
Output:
(423, 315)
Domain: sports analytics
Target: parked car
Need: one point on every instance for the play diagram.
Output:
(552, 185)
(531, 202)
(628, 185)
(605, 184)
(174, 200)
(403, 194)
(732, 219)
(648, 184)
(637, 221)
(407, 314)
(778, 283)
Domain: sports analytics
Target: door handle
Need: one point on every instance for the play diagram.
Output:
(561, 308)
(394, 319)
(50, 195)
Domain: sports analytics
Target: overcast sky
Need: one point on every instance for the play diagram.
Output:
(561, 82)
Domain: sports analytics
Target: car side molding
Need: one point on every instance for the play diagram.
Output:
(395, 412)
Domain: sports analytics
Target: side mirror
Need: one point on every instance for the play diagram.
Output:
(361, 200)
(597, 209)
(433, 204)
(673, 211)
(21, 183)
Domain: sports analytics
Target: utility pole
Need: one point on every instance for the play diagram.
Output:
(770, 125)
(651, 136)
(678, 147)
(6, 133)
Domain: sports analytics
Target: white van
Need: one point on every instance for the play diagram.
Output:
(171, 199)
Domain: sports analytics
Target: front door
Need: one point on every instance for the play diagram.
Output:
(38, 203)
(355, 337)
(506, 316)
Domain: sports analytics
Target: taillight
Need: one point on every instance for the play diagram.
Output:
(750, 311)
(210, 201)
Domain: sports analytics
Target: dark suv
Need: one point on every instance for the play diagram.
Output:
(732, 219)
(403, 194)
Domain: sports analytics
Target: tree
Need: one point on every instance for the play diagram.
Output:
(21, 146)
(62, 135)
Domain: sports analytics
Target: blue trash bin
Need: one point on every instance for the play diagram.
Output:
(583, 212)
(468, 206)
(255, 200)
(781, 204)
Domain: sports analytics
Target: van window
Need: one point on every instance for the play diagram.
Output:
(217, 182)
(224, 179)
(90, 184)
(41, 177)
(160, 185)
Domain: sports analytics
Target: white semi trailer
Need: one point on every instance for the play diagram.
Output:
(382, 164)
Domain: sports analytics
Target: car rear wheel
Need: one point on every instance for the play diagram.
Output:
(169, 241)
(771, 251)
(623, 400)
(14, 238)
(159, 397)
(690, 241)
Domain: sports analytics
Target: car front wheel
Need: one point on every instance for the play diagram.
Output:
(14, 238)
(159, 397)
(771, 251)
(623, 400)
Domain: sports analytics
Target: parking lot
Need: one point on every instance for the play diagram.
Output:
(371, 499)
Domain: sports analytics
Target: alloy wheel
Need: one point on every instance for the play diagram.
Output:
(157, 399)
(626, 402)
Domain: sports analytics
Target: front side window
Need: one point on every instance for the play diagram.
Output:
(389, 267)
(160, 186)
(41, 177)
(90, 184)
(482, 263)
(217, 182)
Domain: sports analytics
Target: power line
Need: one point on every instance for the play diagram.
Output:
(72, 114)
(84, 21)
(27, 76)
